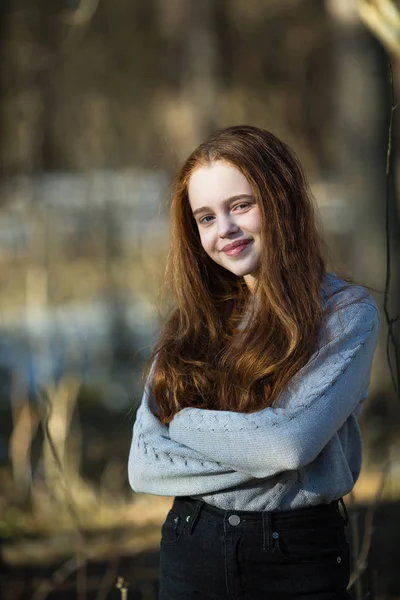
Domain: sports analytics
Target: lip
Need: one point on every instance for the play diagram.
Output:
(235, 245)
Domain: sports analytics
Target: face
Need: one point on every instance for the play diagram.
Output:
(227, 217)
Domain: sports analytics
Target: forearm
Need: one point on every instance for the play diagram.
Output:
(317, 404)
(159, 465)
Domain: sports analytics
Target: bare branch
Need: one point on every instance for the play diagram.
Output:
(392, 342)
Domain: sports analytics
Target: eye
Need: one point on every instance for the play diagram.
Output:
(242, 205)
(203, 220)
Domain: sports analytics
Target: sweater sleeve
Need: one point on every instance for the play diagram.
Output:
(159, 465)
(313, 407)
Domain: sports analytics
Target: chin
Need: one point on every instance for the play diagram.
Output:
(240, 272)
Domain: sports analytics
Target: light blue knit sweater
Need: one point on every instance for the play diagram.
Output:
(306, 451)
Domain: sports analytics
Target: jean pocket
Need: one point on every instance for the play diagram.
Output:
(172, 528)
(312, 545)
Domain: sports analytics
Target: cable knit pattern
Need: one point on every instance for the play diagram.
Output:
(306, 451)
(159, 465)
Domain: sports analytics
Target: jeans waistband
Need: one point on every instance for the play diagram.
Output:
(192, 508)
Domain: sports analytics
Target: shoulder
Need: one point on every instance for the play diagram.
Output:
(338, 294)
(347, 305)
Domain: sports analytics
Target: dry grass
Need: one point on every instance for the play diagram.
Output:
(61, 518)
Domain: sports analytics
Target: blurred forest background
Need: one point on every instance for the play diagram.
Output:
(100, 101)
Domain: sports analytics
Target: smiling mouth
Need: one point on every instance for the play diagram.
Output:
(236, 248)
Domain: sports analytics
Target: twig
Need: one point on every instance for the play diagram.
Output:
(45, 419)
(60, 575)
(80, 559)
(391, 340)
(108, 579)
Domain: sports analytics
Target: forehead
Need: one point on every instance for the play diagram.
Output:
(216, 182)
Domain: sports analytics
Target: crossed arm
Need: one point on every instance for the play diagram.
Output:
(159, 465)
(317, 403)
(204, 451)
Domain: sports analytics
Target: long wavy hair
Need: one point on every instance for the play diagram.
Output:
(203, 358)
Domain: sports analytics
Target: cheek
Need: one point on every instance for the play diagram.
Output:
(254, 223)
(206, 240)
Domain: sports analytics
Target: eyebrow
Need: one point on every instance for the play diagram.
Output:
(226, 201)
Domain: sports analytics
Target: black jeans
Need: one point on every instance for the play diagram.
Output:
(213, 554)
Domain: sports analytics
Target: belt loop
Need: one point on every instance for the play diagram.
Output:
(195, 515)
(267, 530)
(346, 514)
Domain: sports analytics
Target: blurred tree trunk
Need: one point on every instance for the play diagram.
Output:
(363, 105)
(200, 79)
(362, 111)
(4, 10)
(19, 102)
(193, 113)
(383, 19)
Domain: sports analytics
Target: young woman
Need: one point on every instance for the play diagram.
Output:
(249, 416)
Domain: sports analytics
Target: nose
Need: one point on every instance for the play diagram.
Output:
(226, 226)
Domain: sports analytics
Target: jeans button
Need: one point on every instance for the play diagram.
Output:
(234, 520)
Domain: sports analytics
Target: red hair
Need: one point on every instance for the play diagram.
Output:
(202, 359)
